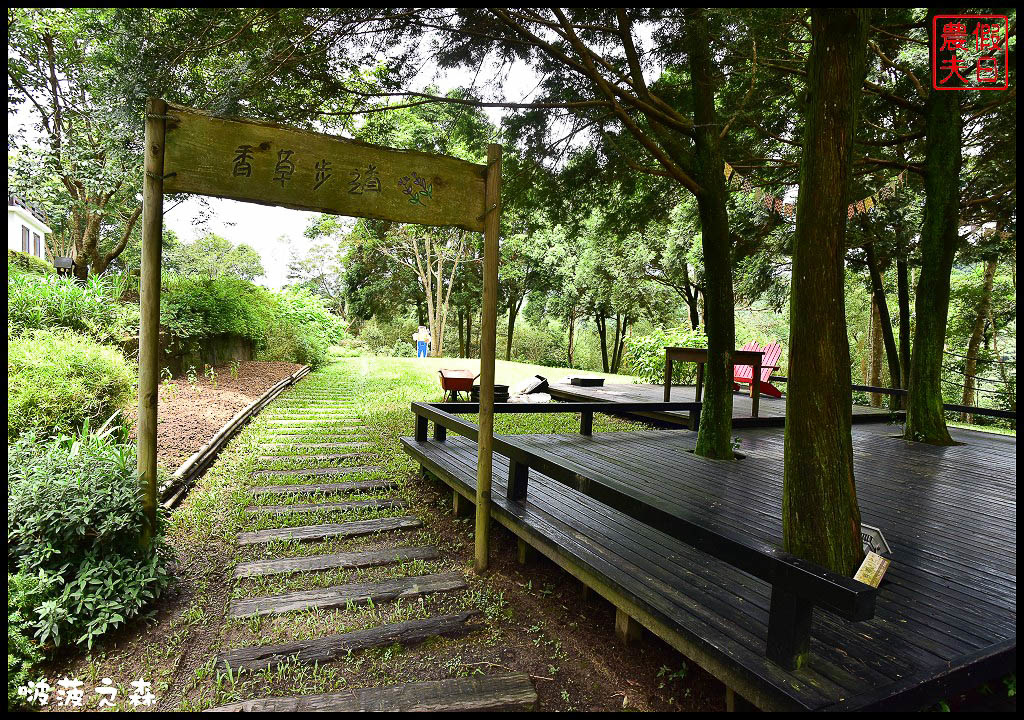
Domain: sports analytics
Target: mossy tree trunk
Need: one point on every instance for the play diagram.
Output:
(977, 331)
(820, 516)
(940, 236)
(714, 435)
(892, 354)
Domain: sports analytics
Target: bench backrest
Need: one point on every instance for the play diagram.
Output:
(745, 372)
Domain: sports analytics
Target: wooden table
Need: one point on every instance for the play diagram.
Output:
(700, 356)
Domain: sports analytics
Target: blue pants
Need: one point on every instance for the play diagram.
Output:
(421, 348)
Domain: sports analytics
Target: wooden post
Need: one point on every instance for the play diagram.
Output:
(149, 309)
(488, 339)
(789, 630)
(627, 629)
(668, 375)
(586, 423)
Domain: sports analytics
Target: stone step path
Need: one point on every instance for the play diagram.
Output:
(340, 596)
(314, 416)
(331, 647)
(512, 692)
(329, 506)
(329, 530)
(346, 560)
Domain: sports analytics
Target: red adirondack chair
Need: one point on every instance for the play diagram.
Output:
(743, 374)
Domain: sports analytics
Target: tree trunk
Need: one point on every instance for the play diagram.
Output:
(892, 354)
(469, 332)
(714, 433)
(875, 353)
(462, 333)
(926, 421)
(820, 516)
(602, 332)
(572, 334)
(690, 295)
(513, 312)
(971, 366)
(1009, 379)
(903, 295)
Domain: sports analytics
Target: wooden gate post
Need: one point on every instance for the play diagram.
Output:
(149, 309)
(488, 342)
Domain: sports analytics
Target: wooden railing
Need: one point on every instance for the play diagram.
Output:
(901, 392)
(798, 586)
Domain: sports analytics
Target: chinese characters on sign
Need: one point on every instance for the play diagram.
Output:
(71, 693)
(970, 52)
(364, 180)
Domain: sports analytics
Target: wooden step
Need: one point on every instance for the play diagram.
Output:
(315, 446)
(327, 649)
(302, 422)
(333, 456)
(513, 692)
(340, 596)
(319, 472)
(328, 530)
(369, 558)
(329, 507)
(322, 488)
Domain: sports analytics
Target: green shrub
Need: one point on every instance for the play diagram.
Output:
(402, 349)
(56, 380)
(74, 522)
(23, 655)
(19, 262)
(37, 302)
(644, 355)
(194, 309)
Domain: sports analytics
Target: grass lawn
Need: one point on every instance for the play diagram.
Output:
(534, 619)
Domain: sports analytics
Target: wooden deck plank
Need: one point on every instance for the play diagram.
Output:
(312, 563)
(329, 530)
(341, 596)
(332, 647)
(949, 515)
(472, 694)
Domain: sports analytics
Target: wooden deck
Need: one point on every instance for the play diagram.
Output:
(769, 408)
(946, 612)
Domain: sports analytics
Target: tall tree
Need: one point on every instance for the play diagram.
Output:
(60, 72)
(820, 515)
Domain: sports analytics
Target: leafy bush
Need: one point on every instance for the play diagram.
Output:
(537, 345)
(302, 329)
(402, 349)
(38, 302)
(194, 309)
(57, 380)
(644, 355)
(74, 525)
(23, 262)
(23, 594)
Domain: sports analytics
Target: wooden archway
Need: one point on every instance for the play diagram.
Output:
(189, 151)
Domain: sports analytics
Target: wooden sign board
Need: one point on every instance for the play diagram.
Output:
(873, 540)
(273, 165)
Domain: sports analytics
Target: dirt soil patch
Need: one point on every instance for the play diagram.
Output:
(193, 409)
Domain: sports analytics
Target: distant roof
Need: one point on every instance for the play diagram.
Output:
(18, 201)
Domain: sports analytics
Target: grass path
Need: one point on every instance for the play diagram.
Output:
(530, 621)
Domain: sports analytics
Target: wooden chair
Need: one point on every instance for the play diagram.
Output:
(743, 374)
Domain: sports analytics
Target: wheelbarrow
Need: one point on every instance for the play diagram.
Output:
(454, 382)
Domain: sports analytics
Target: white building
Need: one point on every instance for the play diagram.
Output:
(26, 228)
